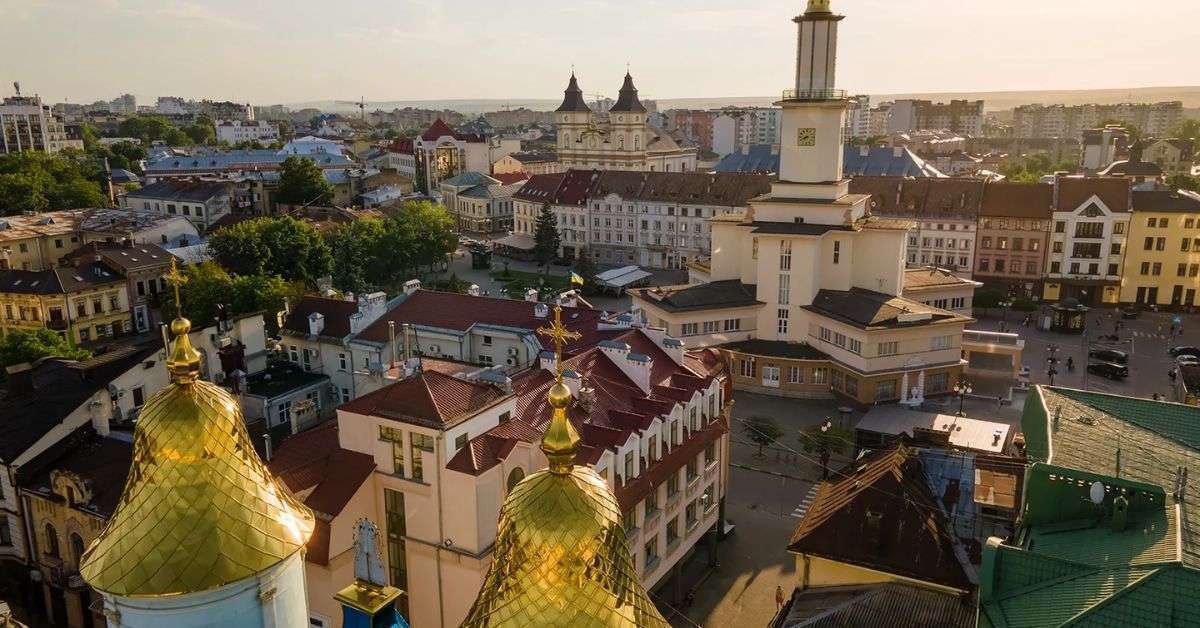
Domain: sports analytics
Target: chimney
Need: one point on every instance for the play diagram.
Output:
(548, 361)
(102, 414)
(572, 380)
(474, 290)
(587, 397)
(412, 285)
(392, 344)
(531, 295)
(316, 323)
(409, 340)
(864, 151)
(674, 348)
(570, 298)
(266, 447)
(541, 310)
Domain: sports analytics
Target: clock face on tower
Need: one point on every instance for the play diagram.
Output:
(806, 137)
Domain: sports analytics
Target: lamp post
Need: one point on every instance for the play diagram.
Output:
(962, 388)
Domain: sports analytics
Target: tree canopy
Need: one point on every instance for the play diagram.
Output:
(373, 253)
(208, 286)
(301, 182)
(762, 431)
(153, 128)
(28, 345)
(1031, 168)
(284, 246)
(34, 181)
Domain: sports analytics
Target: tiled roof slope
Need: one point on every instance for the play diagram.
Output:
(618, 409)
(877, 605)
(429, 398)
(336, 312)
(910, 536)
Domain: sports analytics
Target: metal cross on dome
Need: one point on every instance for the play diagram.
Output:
(176, 279)
(560, 335)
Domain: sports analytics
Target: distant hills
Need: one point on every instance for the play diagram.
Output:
(993, 101)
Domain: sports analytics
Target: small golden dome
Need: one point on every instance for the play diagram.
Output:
(818, 6)
(560, 395)
(561, 559)
(200, 509)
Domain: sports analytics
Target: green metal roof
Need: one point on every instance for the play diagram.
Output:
(1068, 566)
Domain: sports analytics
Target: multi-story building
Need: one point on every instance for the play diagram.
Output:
(27, 124)
(1101, 147)
(1162, 257)
(1173, 156)
(807, 281)
(37, 242)
(735, 128)
(944, 213)
(173, 106)
(858, 118)
(238, 131)
(1087, 241)
(442, 153)
(1013, 236)
(528, 163)
(86, 302)
(695, 124)
(519, 117)
(618, 139)
(1045, 121)
(479, 203)
(443, 449)
(200, 202)
(960, 116)
(142, 265)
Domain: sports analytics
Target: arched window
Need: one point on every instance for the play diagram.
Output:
(77, 547)
(51, 548)
(515, 476)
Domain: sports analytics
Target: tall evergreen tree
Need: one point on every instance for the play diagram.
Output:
(545, 236)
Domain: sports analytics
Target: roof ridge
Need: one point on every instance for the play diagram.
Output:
(1108, 599)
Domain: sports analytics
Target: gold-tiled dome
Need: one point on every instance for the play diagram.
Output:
(200, 509)
(561, 557)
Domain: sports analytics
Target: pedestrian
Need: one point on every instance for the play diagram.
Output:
(778, 598)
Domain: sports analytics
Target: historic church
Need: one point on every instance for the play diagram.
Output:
(619, 139)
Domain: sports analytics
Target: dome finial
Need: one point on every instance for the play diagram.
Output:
(819, 6)
(561, 440)
(184, 361)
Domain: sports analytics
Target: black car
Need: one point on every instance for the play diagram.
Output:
(1109, 370)
(1184, 350)
(1109, 355)
(1130, 312)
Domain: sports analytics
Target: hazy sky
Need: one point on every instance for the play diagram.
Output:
(268, 51)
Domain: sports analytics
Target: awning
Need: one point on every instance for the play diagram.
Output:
(623, 277)
(516, 241)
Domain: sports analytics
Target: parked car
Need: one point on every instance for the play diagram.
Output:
(1130, 312)
(1184, 350)
(1109, 370)
(1109, 355)
(1187, 358)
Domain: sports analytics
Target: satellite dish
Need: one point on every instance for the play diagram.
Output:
(1097, 492)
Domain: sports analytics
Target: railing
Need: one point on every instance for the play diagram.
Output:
(992, 338)
(814, 94)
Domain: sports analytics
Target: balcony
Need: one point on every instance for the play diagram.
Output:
(56, 324)
(811, 95)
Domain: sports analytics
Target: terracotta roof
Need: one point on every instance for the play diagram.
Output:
(315, 459)
(540, 188)
(921, 197)
(460, 312)
(729, 189)
(1018, 200)
(879, 513)
(438, 129)
(510, 178)
(429, 398)
(618, 407)
(336, 312)
(1073, 192)
(630, 493)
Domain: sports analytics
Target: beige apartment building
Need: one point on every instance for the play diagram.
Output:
(84, 303)
(1013, 236)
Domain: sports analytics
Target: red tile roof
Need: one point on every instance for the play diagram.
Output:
(460, 312)
(619, 407)
(429, 398)
(315, 460)
(336, 312)
(438, 129)
(1018, 200)
(509, 178)
(540, 188)
(1074, 192)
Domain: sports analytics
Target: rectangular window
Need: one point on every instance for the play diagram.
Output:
(1086, 250)
(652, 448)
(888, 348)
(1148, 244)
(785, 255)
(941, 342)
(397, 531)
(785, 285)
(651, 553)
(937, 383)
(885, 390)
(341, 361)
(396, 438)
(984, 265)
(1055, 267)
(748, 368)
(837, 251)
(1156, 270)
(783, 321)
(1112, 270)
(461, 441)
(628, 466)
(733, 324)
(820, 375)
(690, 329)
(795, 375)
(651, 502)
(1060, 226)
(419, 443)
(1118, 228)
(1089, 230)
(1160, 244)
(855, 345)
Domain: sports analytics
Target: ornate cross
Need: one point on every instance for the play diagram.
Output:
(176, 279)
(560, 335)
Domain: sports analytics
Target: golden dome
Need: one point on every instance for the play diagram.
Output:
(818, 6)
(200, 509)
(561, 559)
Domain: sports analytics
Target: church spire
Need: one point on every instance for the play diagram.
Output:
(628, 101)
(573, 97)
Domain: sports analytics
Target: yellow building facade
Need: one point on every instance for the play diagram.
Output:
(1162, 257)
(83, 303)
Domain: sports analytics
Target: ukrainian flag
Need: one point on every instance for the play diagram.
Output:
(576, 279)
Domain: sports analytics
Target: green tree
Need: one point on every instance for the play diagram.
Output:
(1189, 129)
(355, 247)
(825, 440)
(762, 431)
(28, 345)
(284, 246)
(209, 287)
(33, 181)
(987, 299)
(545, 237)
(151, 128)
(586, 268)
(1183, 182)
(201, 130)
(301, 182)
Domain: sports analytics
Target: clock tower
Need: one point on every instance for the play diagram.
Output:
(810, 151)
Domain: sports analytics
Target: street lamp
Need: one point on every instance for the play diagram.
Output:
(962, 389)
